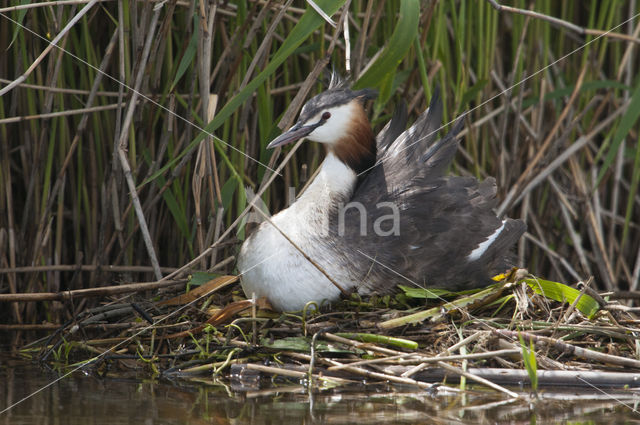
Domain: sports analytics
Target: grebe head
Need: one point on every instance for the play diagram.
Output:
(337, 119)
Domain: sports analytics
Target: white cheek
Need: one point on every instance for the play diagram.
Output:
(335, 126)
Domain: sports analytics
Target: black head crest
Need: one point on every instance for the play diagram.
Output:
(337, 81)
(338, 93)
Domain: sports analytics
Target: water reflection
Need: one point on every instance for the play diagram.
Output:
(85, 399)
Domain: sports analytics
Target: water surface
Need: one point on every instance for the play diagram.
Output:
(83, 398)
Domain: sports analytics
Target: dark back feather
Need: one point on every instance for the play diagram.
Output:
(442, 219)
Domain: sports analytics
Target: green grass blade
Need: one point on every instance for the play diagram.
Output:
(401, 40)
(309, 22)
(200, 278)
(227, 192)
(563, 293)
(20, 18)
(626, 122)
(588, 86)
(187, 59)
(479, 298)
(530, 362)
(381, 339)
(635, 179)
(425, 293)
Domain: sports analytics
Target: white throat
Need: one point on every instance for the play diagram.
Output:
(335, 179)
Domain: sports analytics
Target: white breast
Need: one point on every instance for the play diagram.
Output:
(271, 267)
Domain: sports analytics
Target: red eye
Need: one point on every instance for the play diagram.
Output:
(326, 115)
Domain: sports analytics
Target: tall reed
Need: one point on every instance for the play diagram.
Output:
(551, 111)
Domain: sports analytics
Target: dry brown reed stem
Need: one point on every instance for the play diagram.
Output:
(362, 37)
(516, 108)
(595, 231)
(477, 378)
(260, 54)
(471, 338)
(587, 379)
(81, 92)
(562, 23)
(542, 150)
(59, 183)
(205, 169)
(364, 372)
(47, 4)
(54, 326)
(68, 112)
(566, 154)
(362, 345)
(406, 358)
(205, 164)
(513, 105)
(567, 215)
(269, 178)
(368, 346)
(409, 358)
(83, 268)
(566, 348)
(90, 292)
(49, 47)
(292, 373)
(123, 141)
(568, 315)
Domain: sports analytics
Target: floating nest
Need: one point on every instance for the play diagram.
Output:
(515, 336)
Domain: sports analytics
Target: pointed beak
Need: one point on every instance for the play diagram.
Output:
(295, 133)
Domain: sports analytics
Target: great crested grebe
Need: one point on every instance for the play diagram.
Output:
(379, 212)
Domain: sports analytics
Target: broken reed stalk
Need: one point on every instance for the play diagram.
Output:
(84, 268)
(53, 43)
(564, 24)
(123, 141)
(565, 378)
(408, 358)
(90, 292)
(247, 129)
(363, 372)
(540, 152)
(371, 347)
(478, 379)
(389, 365)
(566, 348)
(268, 179)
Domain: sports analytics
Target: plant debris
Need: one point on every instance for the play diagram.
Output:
(518, 328)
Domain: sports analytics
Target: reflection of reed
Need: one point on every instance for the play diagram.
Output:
(123, 399)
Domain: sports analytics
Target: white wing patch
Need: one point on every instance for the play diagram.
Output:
(482, 247)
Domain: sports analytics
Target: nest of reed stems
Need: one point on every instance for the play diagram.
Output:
(107, 179)
(519, 332)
